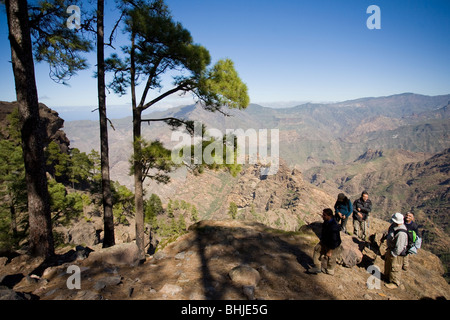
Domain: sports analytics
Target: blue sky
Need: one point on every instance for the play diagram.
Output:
(288, 50)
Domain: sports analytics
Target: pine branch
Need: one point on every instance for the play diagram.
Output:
(164, 95)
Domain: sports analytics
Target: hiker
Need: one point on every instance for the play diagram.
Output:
(410, 222)
(328, 247)
(410, 225)
(343, 208)
(397, 241)
(361, 210)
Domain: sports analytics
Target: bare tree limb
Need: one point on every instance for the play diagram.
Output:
(111, 35)
(168, 93)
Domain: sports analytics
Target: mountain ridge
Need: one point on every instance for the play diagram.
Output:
(323, 124)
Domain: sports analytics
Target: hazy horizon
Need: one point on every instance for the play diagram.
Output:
(285, 51)
(79, 113)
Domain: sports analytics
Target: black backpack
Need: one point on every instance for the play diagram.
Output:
(411, 240)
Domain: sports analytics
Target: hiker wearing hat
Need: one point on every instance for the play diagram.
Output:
(397, 241)
(361, 209)
(342, 208)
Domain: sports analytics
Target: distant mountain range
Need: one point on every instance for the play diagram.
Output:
(310, 134)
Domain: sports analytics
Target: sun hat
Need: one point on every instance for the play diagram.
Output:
(397, 218)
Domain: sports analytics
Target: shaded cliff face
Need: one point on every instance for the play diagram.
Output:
(50, 120)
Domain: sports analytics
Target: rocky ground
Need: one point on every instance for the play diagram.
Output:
(220, 260)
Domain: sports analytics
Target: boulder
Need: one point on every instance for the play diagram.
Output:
(107, 281)
(54, 271)
(170, 289)
(245, 275)
(3, 261)
(9, 294)
(160, 255)
(125, 233)
(84, 233)
(350, 255)
(120, 254)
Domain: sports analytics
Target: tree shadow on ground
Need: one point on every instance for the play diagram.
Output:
(282, 265)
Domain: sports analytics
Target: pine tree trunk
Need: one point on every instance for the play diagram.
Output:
(138, 184)
(108, 218)
(32, 130)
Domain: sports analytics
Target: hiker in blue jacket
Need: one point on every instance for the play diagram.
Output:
(343, 208)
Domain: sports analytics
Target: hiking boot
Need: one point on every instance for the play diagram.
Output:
(328, 271)
(315, 270)
(391, 285)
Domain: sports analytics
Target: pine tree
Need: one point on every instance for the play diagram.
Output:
(57, 45)
(153, 208)
(13, 197)
(181, 223)
(194, 214)
(64, 206)
(95, 170)
(170, 209)
(232, 211)
(32, 132)
(57, 161)
(79, 167)
(157, 45)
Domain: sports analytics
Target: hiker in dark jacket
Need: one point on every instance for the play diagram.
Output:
(361, 209)
(328, 247)
(410, 224)
(343, 208)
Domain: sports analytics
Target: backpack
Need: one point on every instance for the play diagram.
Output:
(414, 242)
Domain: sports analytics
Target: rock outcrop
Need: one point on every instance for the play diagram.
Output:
(369, 155)
(50, 119)
(284, 200)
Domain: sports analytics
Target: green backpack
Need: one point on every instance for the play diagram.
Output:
(414, 242)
